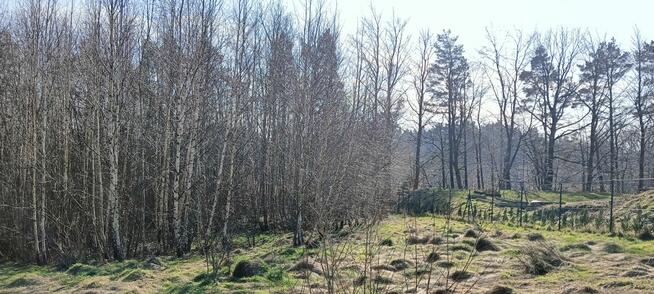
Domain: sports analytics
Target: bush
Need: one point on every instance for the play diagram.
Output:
(539, 258)
(245, 268)
(612, 248)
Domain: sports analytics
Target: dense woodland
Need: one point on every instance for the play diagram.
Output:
(132, 128)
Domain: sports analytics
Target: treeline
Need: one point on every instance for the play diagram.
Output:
(132, 128)
(540, 109)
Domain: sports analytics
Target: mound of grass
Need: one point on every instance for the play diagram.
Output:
(80, 269)
(460, 275)
(582, 290)
(470, 233)
(461, 247)
(386, 242)
(648, 261)
(445, 264)
(612, 248)
(22, 282)
(246, 268)
(482, 244)
(635, 273)
(400, 264)
(383, 267)
(535, 237)
(645, 235)
(575, 246)
(134, 275)
(432, 257)
(305, 265)
(153, 263)
(414, 240)
(436, 240)
(539, 258)
(499, 289)
(382, 280)
(359, 281)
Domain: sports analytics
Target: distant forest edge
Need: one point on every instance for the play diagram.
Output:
(139, 128)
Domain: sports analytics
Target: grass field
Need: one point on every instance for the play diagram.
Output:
(415, 252)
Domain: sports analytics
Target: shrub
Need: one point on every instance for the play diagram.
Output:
(539, 258)
(245, 268)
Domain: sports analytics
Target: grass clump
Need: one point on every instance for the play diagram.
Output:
(386, 242)
(575, 246)
(305, 265)
(432, 257)
(400, 264)
(540, 258)
(22, 282)
(470, 233)
(612, 248)
(436, 240)
(382, 280)
(499, 289)
(415, 240)
(246, 268)
(461, 247)
(535, 237)
(134, 275)
(460, 275)
(80, 269)
(483, 244)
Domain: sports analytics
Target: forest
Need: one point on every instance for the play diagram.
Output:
(136, 128)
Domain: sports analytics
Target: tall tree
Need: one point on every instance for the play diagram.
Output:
(449, 75)
(551, 90)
